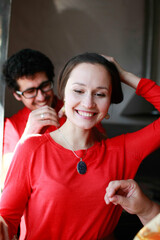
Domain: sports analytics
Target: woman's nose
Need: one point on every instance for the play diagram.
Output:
(88, 101)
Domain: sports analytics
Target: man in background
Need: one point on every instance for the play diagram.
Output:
(29, 75)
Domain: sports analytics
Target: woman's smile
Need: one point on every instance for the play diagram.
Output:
(85, 113)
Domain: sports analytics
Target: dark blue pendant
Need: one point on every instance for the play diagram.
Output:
(81, 167)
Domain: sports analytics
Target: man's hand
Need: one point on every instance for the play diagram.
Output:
(40, 118)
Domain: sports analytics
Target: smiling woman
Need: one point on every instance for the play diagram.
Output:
(73, 165)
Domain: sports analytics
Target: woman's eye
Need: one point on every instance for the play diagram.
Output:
(100, 94)
(78, 91)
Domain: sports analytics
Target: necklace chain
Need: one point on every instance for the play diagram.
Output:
(81, 165)
(70, 145)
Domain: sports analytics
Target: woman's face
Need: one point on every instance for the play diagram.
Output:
(87, 95)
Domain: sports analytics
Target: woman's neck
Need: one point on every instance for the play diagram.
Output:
(76, 137)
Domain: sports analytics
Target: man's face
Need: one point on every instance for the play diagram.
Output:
(42, 98)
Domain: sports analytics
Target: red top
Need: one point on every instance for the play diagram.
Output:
(15, 125)
(60, 203)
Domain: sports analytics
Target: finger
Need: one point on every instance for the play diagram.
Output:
(61, 112)
(116, 191)
(44, 113)
(117, 199)
(120, 187)
(48, 122)
(43, 117)
(51, 117)
(109, 58)
(113, 187)
(43, 109)
(47, 115)
(48, 118)
(106, 199)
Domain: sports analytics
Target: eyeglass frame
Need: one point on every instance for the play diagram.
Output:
(38, 88)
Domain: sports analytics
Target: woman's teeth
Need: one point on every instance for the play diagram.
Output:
(85, 114)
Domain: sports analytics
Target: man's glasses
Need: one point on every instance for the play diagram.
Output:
(32, 92)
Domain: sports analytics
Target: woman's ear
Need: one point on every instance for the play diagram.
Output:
(18, 97)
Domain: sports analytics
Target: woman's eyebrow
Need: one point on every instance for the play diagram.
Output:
(82, 84)
(100, 87)
(106, 88)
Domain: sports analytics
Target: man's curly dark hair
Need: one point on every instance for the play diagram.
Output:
(26, 62)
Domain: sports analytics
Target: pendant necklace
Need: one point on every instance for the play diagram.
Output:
(81, 165)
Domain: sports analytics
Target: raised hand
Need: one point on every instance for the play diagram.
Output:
(126, 77)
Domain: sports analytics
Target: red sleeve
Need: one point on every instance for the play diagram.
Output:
(10, 137)
(150, 91)
(143, 142)
(13, 129)
(17, 188)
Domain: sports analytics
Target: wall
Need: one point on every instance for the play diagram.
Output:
(62, 29)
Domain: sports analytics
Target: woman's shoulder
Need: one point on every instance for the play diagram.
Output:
(31, 142)
(115, 142)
